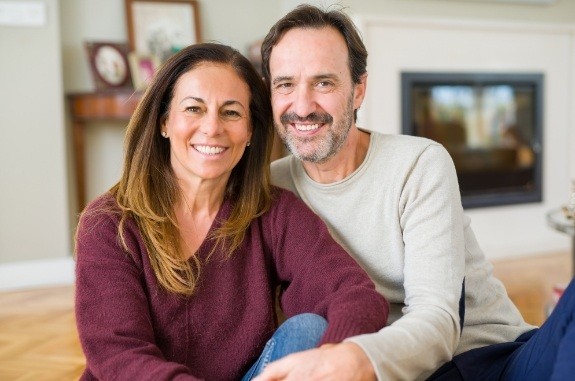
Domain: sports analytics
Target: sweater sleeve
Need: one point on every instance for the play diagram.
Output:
(112, 313)
(319, 276)
(427, 334)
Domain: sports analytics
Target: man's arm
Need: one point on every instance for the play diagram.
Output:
(426, 336)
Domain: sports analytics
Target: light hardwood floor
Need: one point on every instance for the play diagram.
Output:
(38, 339)
(39, 342)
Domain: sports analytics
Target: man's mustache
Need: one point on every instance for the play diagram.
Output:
(314, 117)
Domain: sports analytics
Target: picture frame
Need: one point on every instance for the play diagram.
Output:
(143, 67)
(161, 28)
(109, 64)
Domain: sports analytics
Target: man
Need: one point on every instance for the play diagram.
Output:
(394, 203)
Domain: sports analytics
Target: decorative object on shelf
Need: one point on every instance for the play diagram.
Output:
(143, 68)
(109, 64)
(161, 28)
(569, 208)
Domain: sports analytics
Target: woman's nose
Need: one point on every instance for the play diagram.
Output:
(211, 124)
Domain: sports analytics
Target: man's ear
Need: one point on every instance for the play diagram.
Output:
(359, 91)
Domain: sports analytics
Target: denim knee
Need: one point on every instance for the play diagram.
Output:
(309, 324)
(298, 333)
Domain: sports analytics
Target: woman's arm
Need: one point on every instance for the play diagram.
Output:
(320, 276)
(112, 306)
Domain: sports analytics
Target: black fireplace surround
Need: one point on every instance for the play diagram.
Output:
(490, 123)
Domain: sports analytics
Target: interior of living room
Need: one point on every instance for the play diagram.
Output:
(492, 80)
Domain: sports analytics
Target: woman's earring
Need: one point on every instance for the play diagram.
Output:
(165, 134)
(249, 143)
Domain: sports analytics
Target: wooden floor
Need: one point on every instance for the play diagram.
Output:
(38, 339)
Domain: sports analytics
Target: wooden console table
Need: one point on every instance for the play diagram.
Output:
(109, 106)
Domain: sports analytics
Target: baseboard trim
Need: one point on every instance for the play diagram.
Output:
(24, 275)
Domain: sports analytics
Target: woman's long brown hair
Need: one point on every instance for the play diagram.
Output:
(148, 189)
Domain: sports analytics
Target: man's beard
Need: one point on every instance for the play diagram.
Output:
(316, 149)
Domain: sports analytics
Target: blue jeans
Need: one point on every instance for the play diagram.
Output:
(550, 353)
(542, 354)
(296, 334)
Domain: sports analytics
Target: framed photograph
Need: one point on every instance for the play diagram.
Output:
(143, 68)
(109, 64)
(161, 28)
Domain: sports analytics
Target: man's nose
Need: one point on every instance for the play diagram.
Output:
(303, 101)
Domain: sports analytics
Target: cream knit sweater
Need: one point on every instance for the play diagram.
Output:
(400, 216)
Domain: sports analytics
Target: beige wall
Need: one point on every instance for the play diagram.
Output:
(35, 180)
(34, 220)
(431, 45)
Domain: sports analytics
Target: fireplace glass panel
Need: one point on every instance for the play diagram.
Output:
(489, 123)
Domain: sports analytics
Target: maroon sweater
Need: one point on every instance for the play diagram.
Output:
(132, 329)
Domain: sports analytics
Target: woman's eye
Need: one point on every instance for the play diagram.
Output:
(231, 115)
(193, 109)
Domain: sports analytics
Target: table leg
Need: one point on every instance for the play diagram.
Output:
(78, 133)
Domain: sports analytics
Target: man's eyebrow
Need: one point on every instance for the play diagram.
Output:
(281, 79)
(325, 76)
(317, 77)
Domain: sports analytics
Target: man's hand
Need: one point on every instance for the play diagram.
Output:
(339, 362)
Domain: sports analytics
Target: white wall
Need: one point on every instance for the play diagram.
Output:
(34, 220)
(37, 184)
(411, 44)
(237, 23)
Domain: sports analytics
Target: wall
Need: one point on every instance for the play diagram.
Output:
(231, 22)
(37, 216)
(33, 180)
(238, 24)
(411, 44)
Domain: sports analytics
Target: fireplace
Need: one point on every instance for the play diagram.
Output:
(491, 125)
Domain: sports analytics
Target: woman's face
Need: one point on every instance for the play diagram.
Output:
(208, 123)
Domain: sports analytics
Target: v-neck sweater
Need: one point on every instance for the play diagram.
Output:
(132, 328)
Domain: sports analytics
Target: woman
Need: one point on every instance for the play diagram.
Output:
(178, 264)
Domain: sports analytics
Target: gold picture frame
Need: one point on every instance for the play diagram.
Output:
(161, 28)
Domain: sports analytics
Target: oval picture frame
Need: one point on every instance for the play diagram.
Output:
(109, 64)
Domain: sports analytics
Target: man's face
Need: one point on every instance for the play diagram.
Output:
(313, 96)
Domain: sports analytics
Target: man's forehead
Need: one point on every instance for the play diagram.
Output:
(315, 52)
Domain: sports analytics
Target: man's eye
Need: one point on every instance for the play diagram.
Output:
(324, 84)
(284, 87)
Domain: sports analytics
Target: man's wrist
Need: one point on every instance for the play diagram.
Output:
(364, 364)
